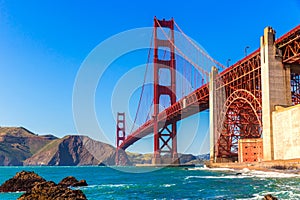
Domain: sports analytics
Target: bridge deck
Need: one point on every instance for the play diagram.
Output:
(195, 102)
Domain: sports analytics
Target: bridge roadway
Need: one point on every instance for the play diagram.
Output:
(198, 100)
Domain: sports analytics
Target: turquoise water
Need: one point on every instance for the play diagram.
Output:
(168, 183)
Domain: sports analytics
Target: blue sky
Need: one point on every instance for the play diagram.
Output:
(43, 44)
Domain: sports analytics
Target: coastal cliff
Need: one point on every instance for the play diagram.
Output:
(19, 146)
(74, 150)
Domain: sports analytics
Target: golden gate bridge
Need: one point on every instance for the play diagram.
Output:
(186, 81)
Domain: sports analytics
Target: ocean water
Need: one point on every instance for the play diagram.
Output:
(168, 183)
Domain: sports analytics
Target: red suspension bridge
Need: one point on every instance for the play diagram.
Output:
(185, 83)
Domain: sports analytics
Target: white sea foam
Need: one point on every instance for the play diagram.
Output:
(196, 168)
(168, 185)
(288, 194)
(293, 187)
(90, 187)
(246, 170)
(116, 185)
(211, 169)
(221, 169)
(16, 192)
(246, 173)
(264, 174)
(107, 186)
(255, 197)
(215, 177)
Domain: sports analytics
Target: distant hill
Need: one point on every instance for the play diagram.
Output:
(75, 150)
(204, 157)
(17, 144)
(137, 158)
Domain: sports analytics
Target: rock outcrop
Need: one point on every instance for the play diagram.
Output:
(22, 181)
(71, 181)
(17, 144)
(51, 191)
(75, 150)
(269, 197)
(36, 187)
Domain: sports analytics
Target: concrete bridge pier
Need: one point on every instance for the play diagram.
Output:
(276, 88)
(212, 113)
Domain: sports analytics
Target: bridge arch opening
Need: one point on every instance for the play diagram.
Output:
(295, 88)
(242, 120)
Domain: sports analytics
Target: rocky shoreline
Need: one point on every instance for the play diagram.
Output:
(36, 187)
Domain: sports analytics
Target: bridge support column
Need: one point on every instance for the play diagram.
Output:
(276, 88)
(120, 135)
(212, 113)
(165, 136)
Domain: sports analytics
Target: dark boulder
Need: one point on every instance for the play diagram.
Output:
(71, 181)
(51, 191)
(22, 181)
(80, 183)
(269, 197)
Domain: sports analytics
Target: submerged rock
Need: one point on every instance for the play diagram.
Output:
(269, 197)
(22, 181)
(51, 191)
(71, 181)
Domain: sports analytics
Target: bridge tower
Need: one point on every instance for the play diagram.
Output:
(276, 87)
(165, 140)
(120, 135)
